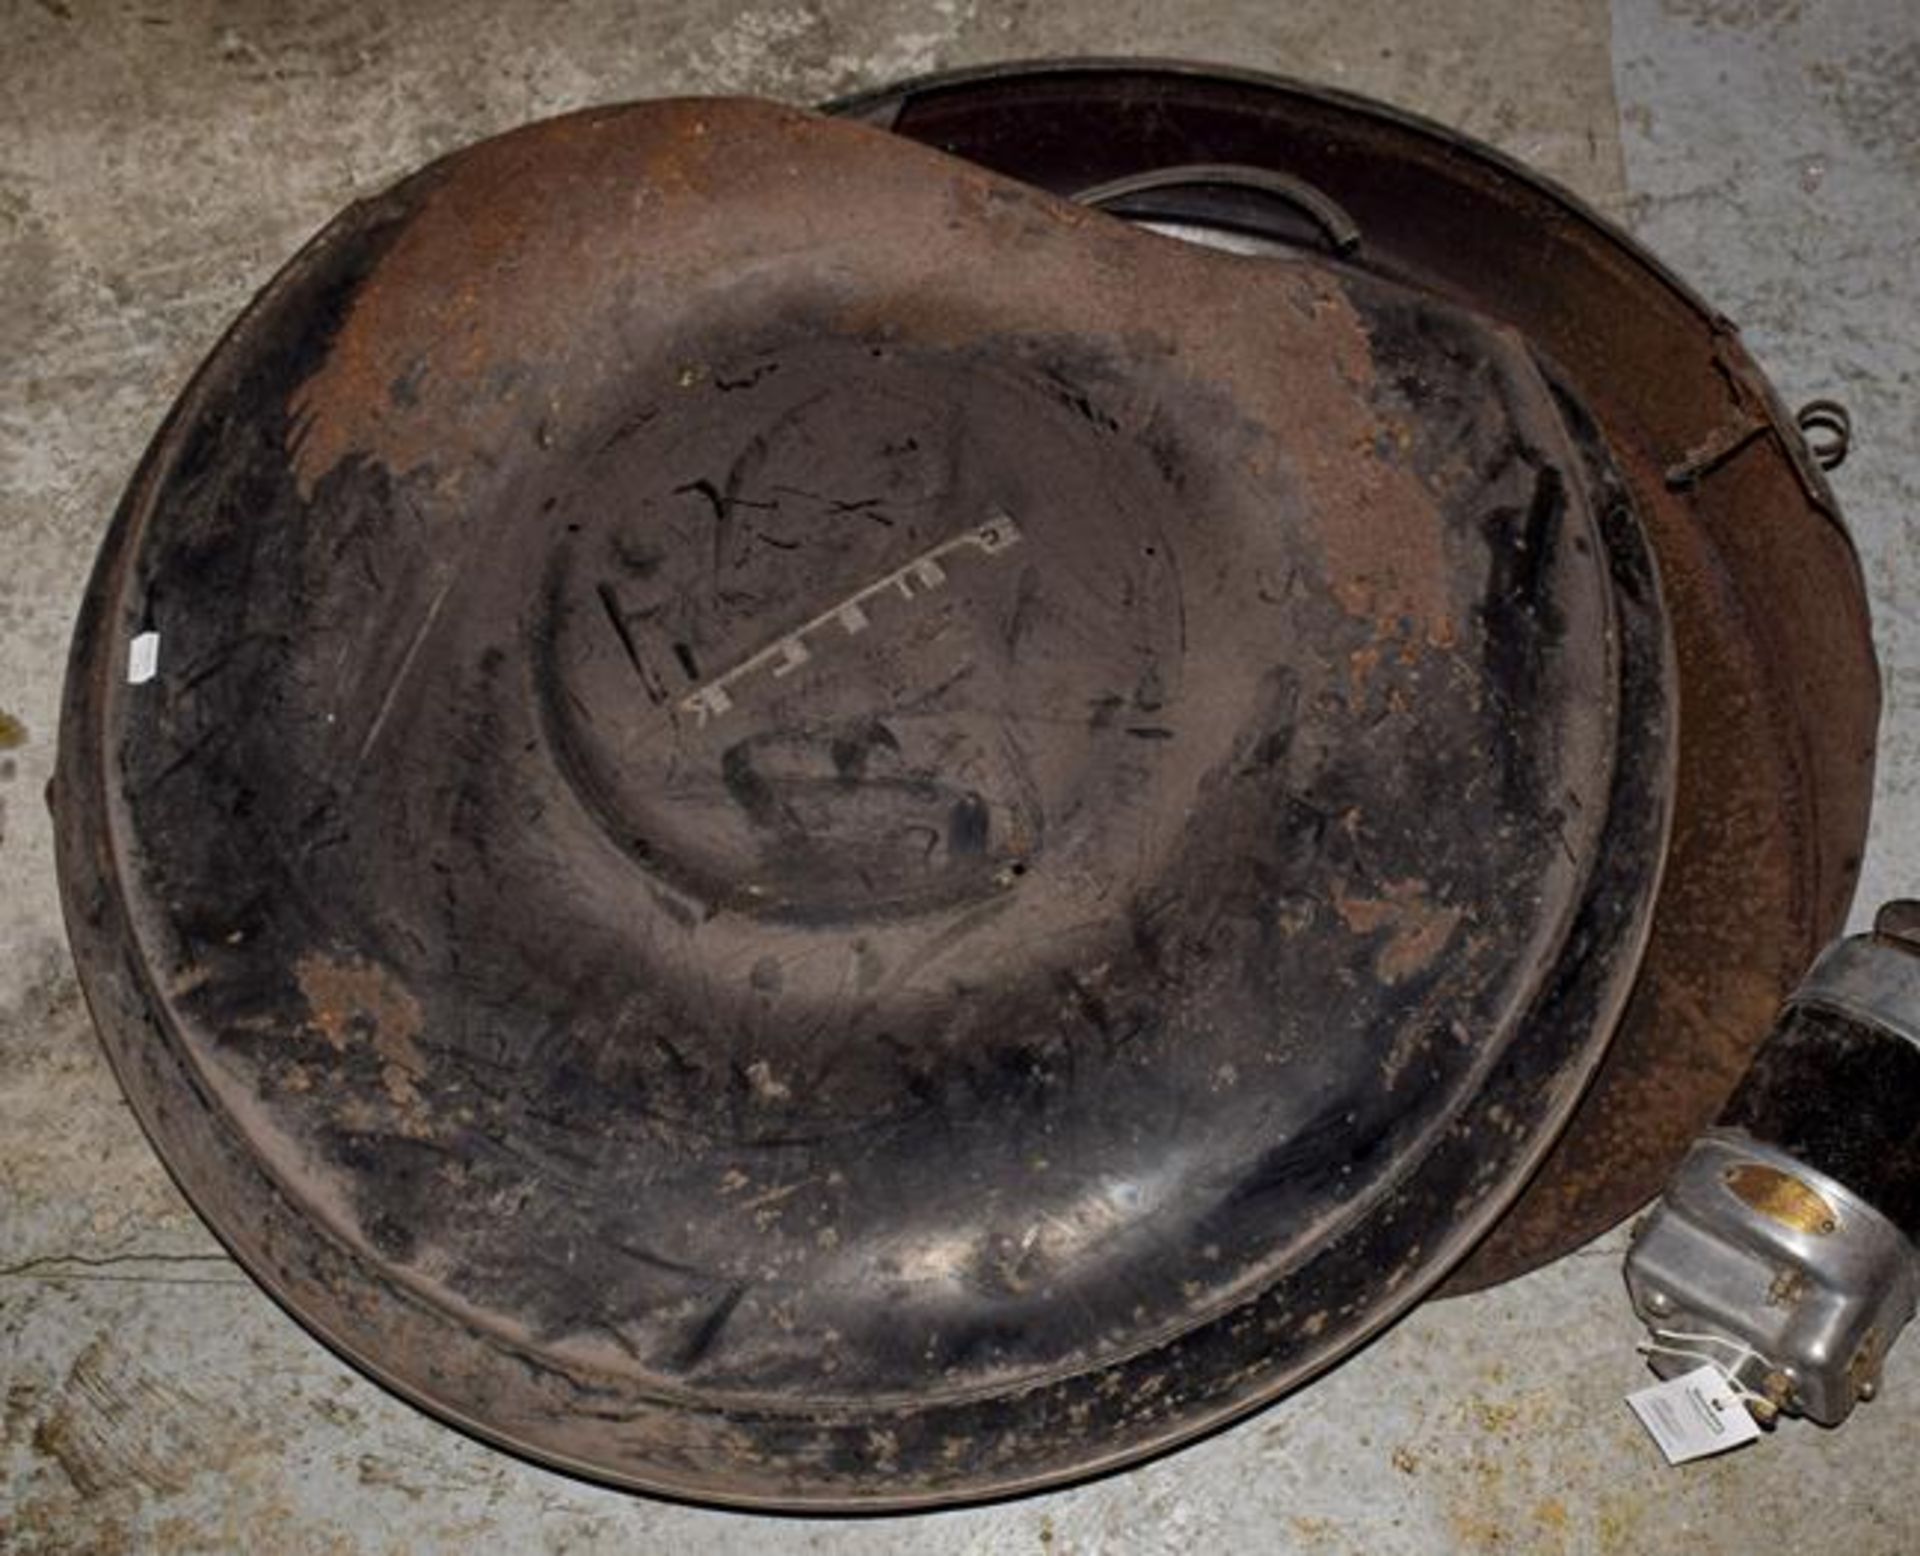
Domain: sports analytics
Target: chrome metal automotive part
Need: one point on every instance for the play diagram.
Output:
(1783, 1250)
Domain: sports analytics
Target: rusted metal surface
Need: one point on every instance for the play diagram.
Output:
(1778, 686)
(819, 830)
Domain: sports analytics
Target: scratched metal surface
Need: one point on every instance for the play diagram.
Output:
(155, 173)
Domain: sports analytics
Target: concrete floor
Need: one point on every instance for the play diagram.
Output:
(157, 162)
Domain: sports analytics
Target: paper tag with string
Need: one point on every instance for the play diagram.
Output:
(1694, 1415)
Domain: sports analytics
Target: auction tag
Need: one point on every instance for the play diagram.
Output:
(1694, 1415)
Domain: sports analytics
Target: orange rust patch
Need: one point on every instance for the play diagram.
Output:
(1361, 664)
(1418, 929)
(485, 279)
(397, 1079)
(1373, 520)
(349, 999)
(532, 265)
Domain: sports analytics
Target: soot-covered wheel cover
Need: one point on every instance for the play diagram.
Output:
(815, 829)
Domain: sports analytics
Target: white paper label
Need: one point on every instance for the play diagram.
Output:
(1694, 1415)
(143, 658)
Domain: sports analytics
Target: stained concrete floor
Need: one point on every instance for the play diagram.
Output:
(157, 162)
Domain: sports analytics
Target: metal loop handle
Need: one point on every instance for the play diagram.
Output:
(1828, 429)
(1342, 232)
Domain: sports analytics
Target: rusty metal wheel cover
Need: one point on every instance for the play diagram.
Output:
(588, 1196)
